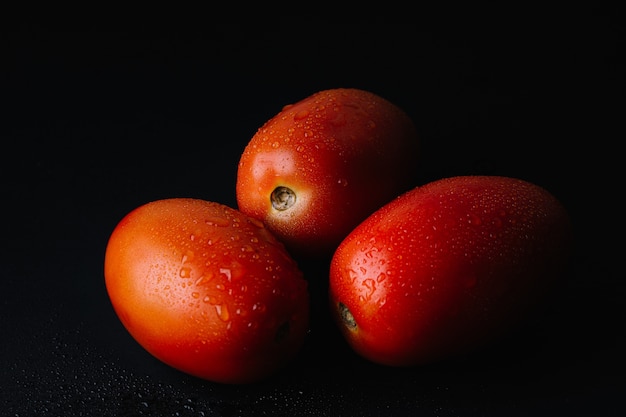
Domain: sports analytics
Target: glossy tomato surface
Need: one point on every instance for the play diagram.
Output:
(320, 166)
(447, 267)
(206, 289)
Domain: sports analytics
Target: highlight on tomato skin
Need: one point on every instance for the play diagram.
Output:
(207, 290)
(321, 165)
(447, 268)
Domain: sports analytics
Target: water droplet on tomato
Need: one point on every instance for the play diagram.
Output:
(370, 253)
(352, 274)
(195, 294)
(188, 256)
(300, 115)
(226, 272)
(370, 286)
(275, 144)
(343, 182)
(381, 277)
(185, 272)
(258, 307)
(473, 219)
(217, 221)
(222, 312)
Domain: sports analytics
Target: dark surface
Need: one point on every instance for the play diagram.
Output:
(94, 124)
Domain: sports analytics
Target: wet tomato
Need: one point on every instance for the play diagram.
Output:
(206, 290)
(447, 267)
(320, 166)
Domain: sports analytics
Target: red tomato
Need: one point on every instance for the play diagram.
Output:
(320, 166)
(206, 289)
(446, 267)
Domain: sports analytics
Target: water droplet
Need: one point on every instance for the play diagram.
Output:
(195, 294)
(256, 222)
(260, 307)
(381, 277)
(370, 253)
(185, 272)
(275, 144)
(300, 115)
(343, 182)
(226, 272)
(217, 221)
(370, 285)
(473, 219)
(352, 274)
(188, 256)
(222, 312)
(363, 270)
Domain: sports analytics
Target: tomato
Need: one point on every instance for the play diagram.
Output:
(320, 166)
(206, 289)
(447, 267)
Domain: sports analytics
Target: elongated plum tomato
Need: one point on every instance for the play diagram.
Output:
(206, 289)
(320, 166)
(447, 267)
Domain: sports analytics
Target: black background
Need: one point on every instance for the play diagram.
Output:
(97, 122)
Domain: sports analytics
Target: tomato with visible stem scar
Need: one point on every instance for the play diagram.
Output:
(447, 267)
(320, 166)
(207, 290)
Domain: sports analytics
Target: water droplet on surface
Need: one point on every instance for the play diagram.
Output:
(185, 272)
(226, 272)
(222, 312)
(370, 253)
(217, 221)
(475, 220)
(195, 294)
(300, 115)
(343, 182)
(381, 277)
(188, 256)
(352, 274)
(370, 285)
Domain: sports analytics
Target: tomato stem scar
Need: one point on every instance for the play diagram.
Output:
(282, 198)
(347, 317)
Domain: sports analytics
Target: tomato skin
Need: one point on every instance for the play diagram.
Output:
(206, 289)
(343, 152)
(447, 267)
